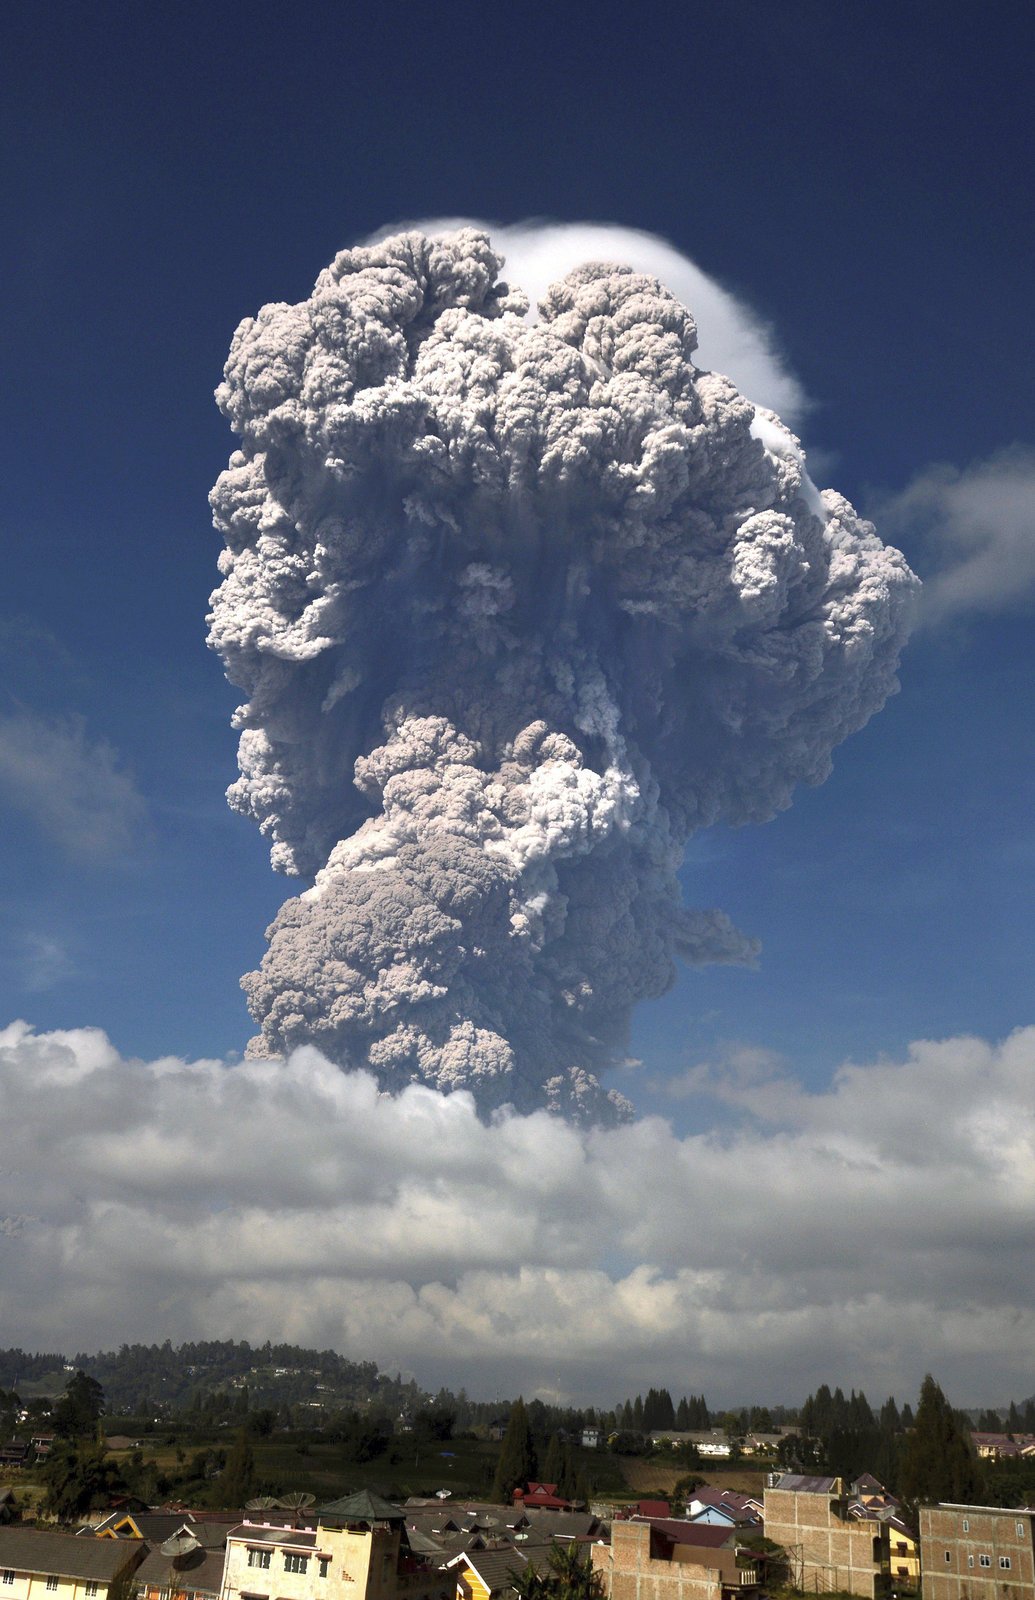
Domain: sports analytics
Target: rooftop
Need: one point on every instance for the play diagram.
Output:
(64, 1554)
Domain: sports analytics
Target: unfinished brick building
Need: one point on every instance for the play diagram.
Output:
(644, 1562)
(977, 1553)
(827, 1548)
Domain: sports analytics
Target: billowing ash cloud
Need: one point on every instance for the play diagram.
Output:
(517, 607)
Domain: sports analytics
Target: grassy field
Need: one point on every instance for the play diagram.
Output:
(642, 1475)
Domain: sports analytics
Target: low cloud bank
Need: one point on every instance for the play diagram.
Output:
(861, 1234)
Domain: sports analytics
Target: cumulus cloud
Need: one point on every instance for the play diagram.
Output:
(72, 787)
(975, 531)
(519, 604)
(734, 339)
(856, 1233)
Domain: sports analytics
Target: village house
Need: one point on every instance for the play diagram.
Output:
(489, 1573)
(977, 1553)
(724, 1508)
(542, 1495)
(357, 1548)
(1003, 1446)
(37, 1564)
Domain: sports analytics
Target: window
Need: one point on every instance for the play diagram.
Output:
(8, 1575)
(91, 1588)
(52, 1582)
(984, 1561)
(948, 1555)
(966, 1524)
(293, 1563)
(325, 1563)
(1005, 1563)
(258, 1558)
(970, 1561)
(1020, 1529)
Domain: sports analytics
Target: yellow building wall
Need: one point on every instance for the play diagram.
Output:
(363, 1566)
(33, 1586)
(469, 1586)
(903, 1557)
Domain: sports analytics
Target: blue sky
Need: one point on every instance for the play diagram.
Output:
(858, 174)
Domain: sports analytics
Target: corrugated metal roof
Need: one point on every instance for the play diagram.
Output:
(799, 1483)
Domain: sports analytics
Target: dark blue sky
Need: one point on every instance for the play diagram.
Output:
(860, 174)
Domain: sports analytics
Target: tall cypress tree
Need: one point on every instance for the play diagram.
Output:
(554, 1464)
(237, 1479)
(517, 1462)
(567, 1482)
(938, 1460)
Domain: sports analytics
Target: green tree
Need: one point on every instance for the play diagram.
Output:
(567, 1481)
(80, 1407)
(553, 1466)
(573, 1574)
(78, 1477)
(436, 1422)
(528, 1584)
(517, 1462)
(938, 1459)
(236, 1482)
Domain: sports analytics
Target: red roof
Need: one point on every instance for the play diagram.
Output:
(654, 1508)
(542, 1494)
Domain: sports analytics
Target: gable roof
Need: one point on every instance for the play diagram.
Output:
(196, 1570)
(496, 1568)
(65, 1554)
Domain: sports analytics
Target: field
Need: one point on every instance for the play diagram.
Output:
(288, 1463)
(642, 1475)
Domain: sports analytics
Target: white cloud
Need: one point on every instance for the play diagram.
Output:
(72, 787)
(734, 339)
(41, 962)
(862, 1235)
(977, 528)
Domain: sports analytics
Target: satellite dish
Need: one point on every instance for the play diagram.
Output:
(179, 1547)
(297, 1500)
(262, 1502)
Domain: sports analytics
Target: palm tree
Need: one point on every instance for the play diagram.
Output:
(573, 1576)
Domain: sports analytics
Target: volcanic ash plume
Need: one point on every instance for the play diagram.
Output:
(517, 607)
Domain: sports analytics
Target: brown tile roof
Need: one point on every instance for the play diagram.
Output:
(702, 1534)
(496, 1568)
(65, 1554)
